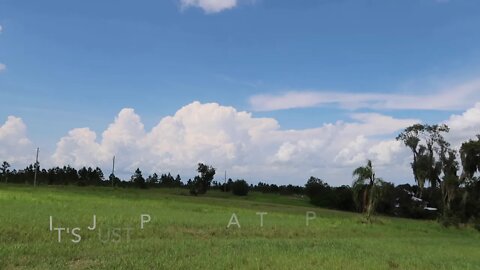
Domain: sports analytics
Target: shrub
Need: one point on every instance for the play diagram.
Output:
(477, 225)
(240, 188)
(319, 192)
(201, 183)
(344, 198)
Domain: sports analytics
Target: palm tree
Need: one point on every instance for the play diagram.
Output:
(365, 179)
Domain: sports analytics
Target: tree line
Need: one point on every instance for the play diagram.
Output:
(85, 176)
(447, 182)
(447, 186)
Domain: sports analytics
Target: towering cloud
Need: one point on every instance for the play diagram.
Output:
(15, 147)
(247, 146)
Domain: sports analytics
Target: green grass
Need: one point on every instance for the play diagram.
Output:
(190, 233)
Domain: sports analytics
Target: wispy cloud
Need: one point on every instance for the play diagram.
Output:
(209, 6)
(455, 98)
(2, 67)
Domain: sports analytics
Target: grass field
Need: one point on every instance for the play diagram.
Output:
(191, 233)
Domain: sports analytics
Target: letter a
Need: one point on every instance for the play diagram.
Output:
(233, 221)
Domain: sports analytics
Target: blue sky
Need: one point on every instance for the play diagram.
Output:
(71, 64)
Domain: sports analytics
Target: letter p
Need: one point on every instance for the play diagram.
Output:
(310, 216)
(144, 218)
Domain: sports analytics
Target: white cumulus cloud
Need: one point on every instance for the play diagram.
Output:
(465, 126)
(256, 149)
(123, 138)
(15, 147)
(246, 146)
(210, 6)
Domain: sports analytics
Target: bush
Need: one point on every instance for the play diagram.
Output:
(477, 225)
(319, 192)
(344, 198)
(202, 182)
(240, 188)
(449, 220)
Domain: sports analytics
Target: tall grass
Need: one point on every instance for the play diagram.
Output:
(191, 233)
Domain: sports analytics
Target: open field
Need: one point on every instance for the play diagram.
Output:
(191, 233)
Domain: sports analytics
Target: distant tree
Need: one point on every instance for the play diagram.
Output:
(167, 180)
(240, 188)
(178, 181)
(451, 181)
(113, 180)
(228, 186)
(202, 182)
(387, 201)
(89, 176)
(138, 179)
(98, 176)
(153, 179)
(83, 176)
(470, 157)
(343, 198)
(67, 175)
(424, 141)
(5, 171)
(366, 182)
(319, 192)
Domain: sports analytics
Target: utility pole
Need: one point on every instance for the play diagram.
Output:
(36, 169)
(225, 185)
(113, 171)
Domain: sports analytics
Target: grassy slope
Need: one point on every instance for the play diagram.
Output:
(190, 233)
